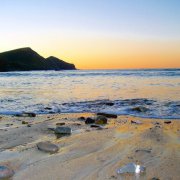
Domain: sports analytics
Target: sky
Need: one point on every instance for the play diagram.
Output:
(95, 34)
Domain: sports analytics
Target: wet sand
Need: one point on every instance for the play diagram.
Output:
(90, 153)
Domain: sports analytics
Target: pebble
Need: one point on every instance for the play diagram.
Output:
(5, 172)
(47, 147)
(60, 124)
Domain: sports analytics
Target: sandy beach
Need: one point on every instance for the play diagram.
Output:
(89, 152)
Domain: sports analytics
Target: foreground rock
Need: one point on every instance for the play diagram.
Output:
(47, 147)
(136, 122)
(89, 121)
(6, 172)
(63, 130)
(101, 120)
(107, 115)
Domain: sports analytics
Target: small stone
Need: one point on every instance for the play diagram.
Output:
(110, 104)
(89, 121)
(81, 118)
(167, 122)
(101, 120)
(107, 115)
(136, 122)
(5, 172)
(47, 147)
(140, 109)
(60, 124)
(24, 122)
(47, 108)
(95, 126)
(63, 130)
(28, 125)
(26, 114)
(154, 178)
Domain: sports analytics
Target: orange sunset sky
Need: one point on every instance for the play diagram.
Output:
(96, 34)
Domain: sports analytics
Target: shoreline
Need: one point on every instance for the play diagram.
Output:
(89, 153)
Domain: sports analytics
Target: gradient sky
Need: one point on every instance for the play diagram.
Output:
(95, 34)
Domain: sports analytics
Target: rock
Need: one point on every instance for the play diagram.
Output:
(28, 125)
(131, 168)
(140, 109)
(26, 59)
(48, 108)
(144, 150)
(136, 122)
(81, 118)
(5, 172)
(95, 126)
(167, 122)
(60, 124)
(26, 114)
(107, 115)
(24, 122)
(154, 178)
(47, 147)
(63, 130)
(109, 104)
(101, 120)
(89, 121)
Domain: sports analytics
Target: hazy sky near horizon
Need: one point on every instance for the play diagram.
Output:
(95, 34)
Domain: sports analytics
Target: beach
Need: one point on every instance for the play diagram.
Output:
(90, 152)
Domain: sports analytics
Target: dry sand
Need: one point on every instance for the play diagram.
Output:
(89, 153)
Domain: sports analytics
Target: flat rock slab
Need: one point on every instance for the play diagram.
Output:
(47, 147)
(6, 172)
(63, 130)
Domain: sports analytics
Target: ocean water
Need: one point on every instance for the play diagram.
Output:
(156, 92)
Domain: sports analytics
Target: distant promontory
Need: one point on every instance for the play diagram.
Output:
(26, 59)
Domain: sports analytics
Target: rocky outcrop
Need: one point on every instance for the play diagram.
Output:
(25, 59)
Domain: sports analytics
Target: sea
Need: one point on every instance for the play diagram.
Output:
(148, 93)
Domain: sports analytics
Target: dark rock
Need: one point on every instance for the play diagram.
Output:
(81, 118)
(24, 122)
(60, 124)
(136, 122)
(101, 120)
(63, 130)
(25, 59)
(89, 121)
(107, 115)
(110, 104)
(6, 172)
(47, 147)
(140, 109)
(95, 126)
(167, 122)
(47, 108)
(144, 150)
(28, 125)
(26, 114)
(154, 178)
